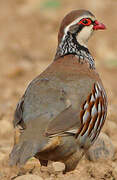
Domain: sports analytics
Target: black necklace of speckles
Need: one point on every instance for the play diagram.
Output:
(69, 45)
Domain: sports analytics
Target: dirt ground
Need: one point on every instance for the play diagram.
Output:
(28, 40)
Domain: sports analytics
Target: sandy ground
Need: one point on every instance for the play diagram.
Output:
(28, 40)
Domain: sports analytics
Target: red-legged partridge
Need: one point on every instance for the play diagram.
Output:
(63, 109)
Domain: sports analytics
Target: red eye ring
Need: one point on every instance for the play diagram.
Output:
(85, 22)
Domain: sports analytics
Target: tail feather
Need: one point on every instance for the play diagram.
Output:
(22, 152)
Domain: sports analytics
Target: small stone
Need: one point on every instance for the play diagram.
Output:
(101, 149)
(56, 167)
(29, 177)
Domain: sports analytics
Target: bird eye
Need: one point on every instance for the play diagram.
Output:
(85, 22)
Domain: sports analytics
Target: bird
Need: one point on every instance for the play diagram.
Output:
(63, 109)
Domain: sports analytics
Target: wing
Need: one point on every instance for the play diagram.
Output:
(64, 123)
(53, 101)
(90, 120)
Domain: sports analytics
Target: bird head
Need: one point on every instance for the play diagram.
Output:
(81, 24)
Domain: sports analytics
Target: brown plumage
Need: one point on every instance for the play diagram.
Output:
(63, 109)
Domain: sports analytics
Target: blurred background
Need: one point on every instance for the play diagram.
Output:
(28, 40)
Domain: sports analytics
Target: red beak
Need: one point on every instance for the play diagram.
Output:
(98, 25)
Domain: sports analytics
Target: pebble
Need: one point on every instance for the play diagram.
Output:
(56, 167)
(101, 149)
(29, 177)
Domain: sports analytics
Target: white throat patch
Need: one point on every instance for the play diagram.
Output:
(84, 35)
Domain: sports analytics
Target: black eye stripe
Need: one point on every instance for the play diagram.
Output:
(75, 29)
